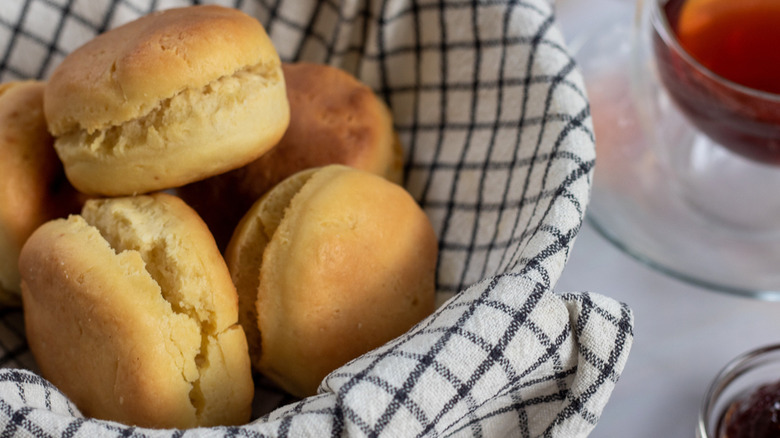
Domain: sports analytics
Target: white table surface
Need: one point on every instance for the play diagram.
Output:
(683, 334)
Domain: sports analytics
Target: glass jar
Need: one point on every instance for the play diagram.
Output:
(735, 383)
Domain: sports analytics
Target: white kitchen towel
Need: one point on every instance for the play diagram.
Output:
(499, 152)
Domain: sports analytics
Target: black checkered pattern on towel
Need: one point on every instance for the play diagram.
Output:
(499, 152)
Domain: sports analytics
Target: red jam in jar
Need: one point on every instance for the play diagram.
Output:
(755, 416)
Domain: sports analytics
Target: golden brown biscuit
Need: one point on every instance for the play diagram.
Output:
(334, 119)
(130, 311)
(330, 264)
(170, 98)
(33, 188)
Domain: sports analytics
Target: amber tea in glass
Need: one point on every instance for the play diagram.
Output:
(720, 62)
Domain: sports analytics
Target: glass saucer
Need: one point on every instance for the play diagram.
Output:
(642, 204)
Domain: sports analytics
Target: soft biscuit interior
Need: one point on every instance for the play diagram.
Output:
(245, 252)
(125, 73)
(153, 129)
(194, 134)
(145, 226)
(149, 299)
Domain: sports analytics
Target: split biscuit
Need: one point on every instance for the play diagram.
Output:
(170, 98)
(131, 312)
(331, 263)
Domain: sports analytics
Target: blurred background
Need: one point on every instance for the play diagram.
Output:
(684, 334)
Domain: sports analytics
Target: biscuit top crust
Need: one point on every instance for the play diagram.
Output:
(334, 119)
(341, 115)
(125, 72)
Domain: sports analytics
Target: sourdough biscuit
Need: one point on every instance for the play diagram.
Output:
(330, 264)
(131, 312)
(170, 98)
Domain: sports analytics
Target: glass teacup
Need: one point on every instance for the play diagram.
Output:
(726, 163)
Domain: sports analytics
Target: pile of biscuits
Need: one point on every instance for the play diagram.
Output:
(178, 207)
